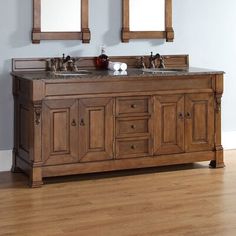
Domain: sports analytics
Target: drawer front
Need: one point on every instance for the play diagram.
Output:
(132, 127)
(131, 148)
(128, 106)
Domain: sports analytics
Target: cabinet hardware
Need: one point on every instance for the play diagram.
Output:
(82, 122)
(133, 147)
(181, 115)
(188, 115)
(133, 126)
(133, 105)
(73, 123)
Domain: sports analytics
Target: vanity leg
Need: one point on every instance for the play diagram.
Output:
(219, 161)
(36, 177)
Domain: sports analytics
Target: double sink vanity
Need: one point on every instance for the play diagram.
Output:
(92, 120)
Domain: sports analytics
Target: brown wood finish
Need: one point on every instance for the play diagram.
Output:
(191, 200)
(169, 124)
(41, 64)
(65, 127)
(96, 125)
(199, 115)
(38, 35)
(60, 132)
(126, 34)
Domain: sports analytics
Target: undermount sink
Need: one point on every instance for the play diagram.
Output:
(163, 70)
(72, 73)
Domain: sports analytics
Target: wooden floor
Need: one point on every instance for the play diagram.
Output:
(190, 200)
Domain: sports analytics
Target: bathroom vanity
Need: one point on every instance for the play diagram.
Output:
(66, 125)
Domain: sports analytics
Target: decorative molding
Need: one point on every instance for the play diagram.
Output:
(218, 102)
(41, 64)
(228, 143)
(37, 111)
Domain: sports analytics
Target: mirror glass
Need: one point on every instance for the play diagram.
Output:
(143, 11)
(60, 15)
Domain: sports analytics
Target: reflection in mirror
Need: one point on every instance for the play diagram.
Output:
(60, 20)
(154, 15)
(147, 19)
(60, 15)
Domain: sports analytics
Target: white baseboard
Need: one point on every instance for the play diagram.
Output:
(5, 160)
(228, 142)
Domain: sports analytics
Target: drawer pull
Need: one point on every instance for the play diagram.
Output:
(181, 115)
(133, 126)
(133, 147)
(133, 105)
(73, 123)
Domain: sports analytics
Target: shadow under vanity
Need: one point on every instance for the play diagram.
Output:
(66, 125)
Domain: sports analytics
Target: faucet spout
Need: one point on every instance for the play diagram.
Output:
(152, 59)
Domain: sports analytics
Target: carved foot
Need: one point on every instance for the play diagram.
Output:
(36, 179)
(35, 184)
(214, 164)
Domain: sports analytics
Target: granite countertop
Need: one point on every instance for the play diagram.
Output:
(107, 74)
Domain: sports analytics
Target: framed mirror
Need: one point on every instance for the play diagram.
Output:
(147, 19)
(60, 20)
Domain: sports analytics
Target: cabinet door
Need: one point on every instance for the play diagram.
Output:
(168, 124)
(199, 120)
(96, 129)
(60, 131)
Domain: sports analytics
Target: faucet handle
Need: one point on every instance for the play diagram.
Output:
(162, 64)
(140, 63)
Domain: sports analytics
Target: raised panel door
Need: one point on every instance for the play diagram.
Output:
(199, 122)
(96, 129)
(60, 131)
(168, 124)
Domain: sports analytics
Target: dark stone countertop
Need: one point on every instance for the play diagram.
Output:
(107, 74)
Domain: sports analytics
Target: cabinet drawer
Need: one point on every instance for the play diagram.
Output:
(132, 126)
(134, 105)
(130, 148)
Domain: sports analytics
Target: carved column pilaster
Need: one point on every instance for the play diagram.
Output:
(36, 143)
(219, 156)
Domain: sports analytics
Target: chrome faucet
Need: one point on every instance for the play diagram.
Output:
(153, 58)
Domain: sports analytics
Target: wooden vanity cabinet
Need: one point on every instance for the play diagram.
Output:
(66, 127)
(96, 129)
(183, 123)
(59, 131)
(199, 122)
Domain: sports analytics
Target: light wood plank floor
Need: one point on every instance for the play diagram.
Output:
(190, 200)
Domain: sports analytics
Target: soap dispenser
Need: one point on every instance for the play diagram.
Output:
(102, 60)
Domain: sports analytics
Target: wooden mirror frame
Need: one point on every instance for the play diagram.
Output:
(126, 34)
(37, 35)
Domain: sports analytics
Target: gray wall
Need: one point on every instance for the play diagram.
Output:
(204, 29)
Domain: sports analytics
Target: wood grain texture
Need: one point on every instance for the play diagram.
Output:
(36, 64)
(168, 201)
(38, 35)
(126, 34)
(101, 123)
